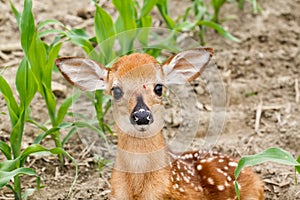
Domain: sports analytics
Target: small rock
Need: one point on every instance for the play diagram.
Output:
(59, 90)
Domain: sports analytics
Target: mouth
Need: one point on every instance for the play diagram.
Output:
(141, 128)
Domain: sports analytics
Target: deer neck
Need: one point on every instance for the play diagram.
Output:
(141, 155)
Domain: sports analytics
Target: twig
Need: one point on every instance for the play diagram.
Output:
(297, 97)
(86, 150)
(258, 116)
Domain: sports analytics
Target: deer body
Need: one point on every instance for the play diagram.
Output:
(145, 169)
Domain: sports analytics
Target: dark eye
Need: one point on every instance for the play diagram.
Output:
(158, 89)
(117, 93)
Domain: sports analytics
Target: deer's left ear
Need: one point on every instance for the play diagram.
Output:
(186, 65)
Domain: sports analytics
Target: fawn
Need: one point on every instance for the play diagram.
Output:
(145, 168)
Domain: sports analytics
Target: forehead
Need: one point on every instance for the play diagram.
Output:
(136, 68)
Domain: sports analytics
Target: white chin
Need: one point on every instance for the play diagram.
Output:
(141, 128)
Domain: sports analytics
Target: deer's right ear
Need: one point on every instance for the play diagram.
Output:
(84, 73)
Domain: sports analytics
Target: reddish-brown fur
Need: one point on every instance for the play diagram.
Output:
(144, 168)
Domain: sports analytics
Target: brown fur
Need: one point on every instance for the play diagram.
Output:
(145, 169)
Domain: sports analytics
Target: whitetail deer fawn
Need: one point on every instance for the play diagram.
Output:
(145, 169)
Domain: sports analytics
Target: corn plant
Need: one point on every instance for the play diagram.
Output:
(202, 18)
(269, 155)
(33, 75)
(255, 6)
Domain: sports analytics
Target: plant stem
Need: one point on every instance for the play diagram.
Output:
(17, 187)
(56, 137)
(98, 107)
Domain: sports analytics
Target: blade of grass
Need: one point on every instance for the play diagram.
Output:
(162, 6)
(63, 109)
(5, 176)
(219, 29)
(12, 106)
(35, 148)
(15, 12)
(25, 83)
(27, 27)
(269, 155)
(5, 149)
(49, 22)
(147, 7)
(105, 30)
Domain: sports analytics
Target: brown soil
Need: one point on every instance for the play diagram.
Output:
(263, 68)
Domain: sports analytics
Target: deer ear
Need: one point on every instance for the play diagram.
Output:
(84, 73)
(186, 65)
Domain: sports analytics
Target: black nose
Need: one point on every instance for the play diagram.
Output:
(141, 114)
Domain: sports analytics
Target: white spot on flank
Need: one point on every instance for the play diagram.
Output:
(233, 164)
(199, 167)
(227, 184)
(203, 161)
(196, 155)
(211, 181)
(220, 187)
(175, 186)
(181, 189)
(210, 159)
(186, 179)
(225, 167)
(229, 178)
(221, 160)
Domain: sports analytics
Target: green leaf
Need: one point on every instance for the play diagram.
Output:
(25, 83)
(49, 32)
(297, 168)
(28, 192)
(105, 31)
(5, 149)
(50, 102)
(126, 24)
(17, 134)
(16, 12)
(27, 27)
(272, 154)
(11, 102)
(147, 7)
(41, 136)
(127, 13)
(36, 148)
(104, 26)
(217, 4)
(49, 22)
(162, 6)
(184, 26)
(47, 71)
(81, 124)
(241, 4)
(80, 41)
(237, 190)
(5, 176)
(63, 109)
(67, 137)
(8, 165)
(219, 29)
(37, 63)
(37, 124)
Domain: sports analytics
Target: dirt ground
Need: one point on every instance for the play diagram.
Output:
(261, 73)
